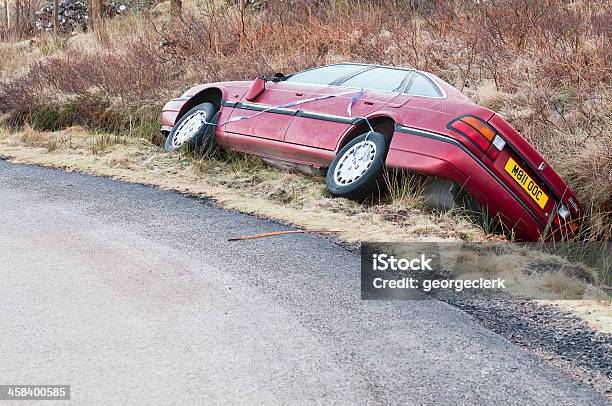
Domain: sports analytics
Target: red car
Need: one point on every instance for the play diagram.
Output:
(357, 119)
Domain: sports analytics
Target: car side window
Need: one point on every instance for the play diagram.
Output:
(324, 75)
(421, 85)
(383, 79)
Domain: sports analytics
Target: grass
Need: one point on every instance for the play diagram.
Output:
(405, 189)
(103, 142)
(96, 116)
(50, 44)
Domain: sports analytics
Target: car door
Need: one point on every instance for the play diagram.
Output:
(321, 124)
(255, 118)
(263, 118)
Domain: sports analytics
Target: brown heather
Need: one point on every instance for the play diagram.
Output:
(545, 65)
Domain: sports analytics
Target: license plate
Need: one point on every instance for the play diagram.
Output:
(522, 178)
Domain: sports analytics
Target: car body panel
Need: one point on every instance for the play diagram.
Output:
(272, 126)
(310, 126)
(313, 132)
(170, 112)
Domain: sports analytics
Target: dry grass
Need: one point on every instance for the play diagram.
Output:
(17, 57)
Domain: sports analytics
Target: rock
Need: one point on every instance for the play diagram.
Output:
(74, 15)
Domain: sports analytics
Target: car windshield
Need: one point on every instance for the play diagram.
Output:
(325, 75)
(421, 85)
(384, 79)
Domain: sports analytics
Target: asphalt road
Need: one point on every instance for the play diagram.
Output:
(132, 295)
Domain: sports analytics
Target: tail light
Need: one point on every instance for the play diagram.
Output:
(480, 133)
(562, 217)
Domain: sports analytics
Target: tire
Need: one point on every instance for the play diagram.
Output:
(444, 194)
(359, 177)
(441, 194)
(194, 130)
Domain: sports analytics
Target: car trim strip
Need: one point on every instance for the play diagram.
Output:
(439, 137)
(293, 112)
(166, 128)
(228, 103)
(329, 117)
(266, 108)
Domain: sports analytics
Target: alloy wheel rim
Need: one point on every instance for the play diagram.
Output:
(188, 128)
(355, 162)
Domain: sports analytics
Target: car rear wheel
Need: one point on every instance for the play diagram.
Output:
(444, 194)
(194, 130)
(357, 171)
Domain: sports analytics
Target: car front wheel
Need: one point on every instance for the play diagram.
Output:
(194, 130)
(357, 171)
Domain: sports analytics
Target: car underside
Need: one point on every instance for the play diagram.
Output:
(355, 120)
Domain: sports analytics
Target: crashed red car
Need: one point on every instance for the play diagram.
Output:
(357, 119)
